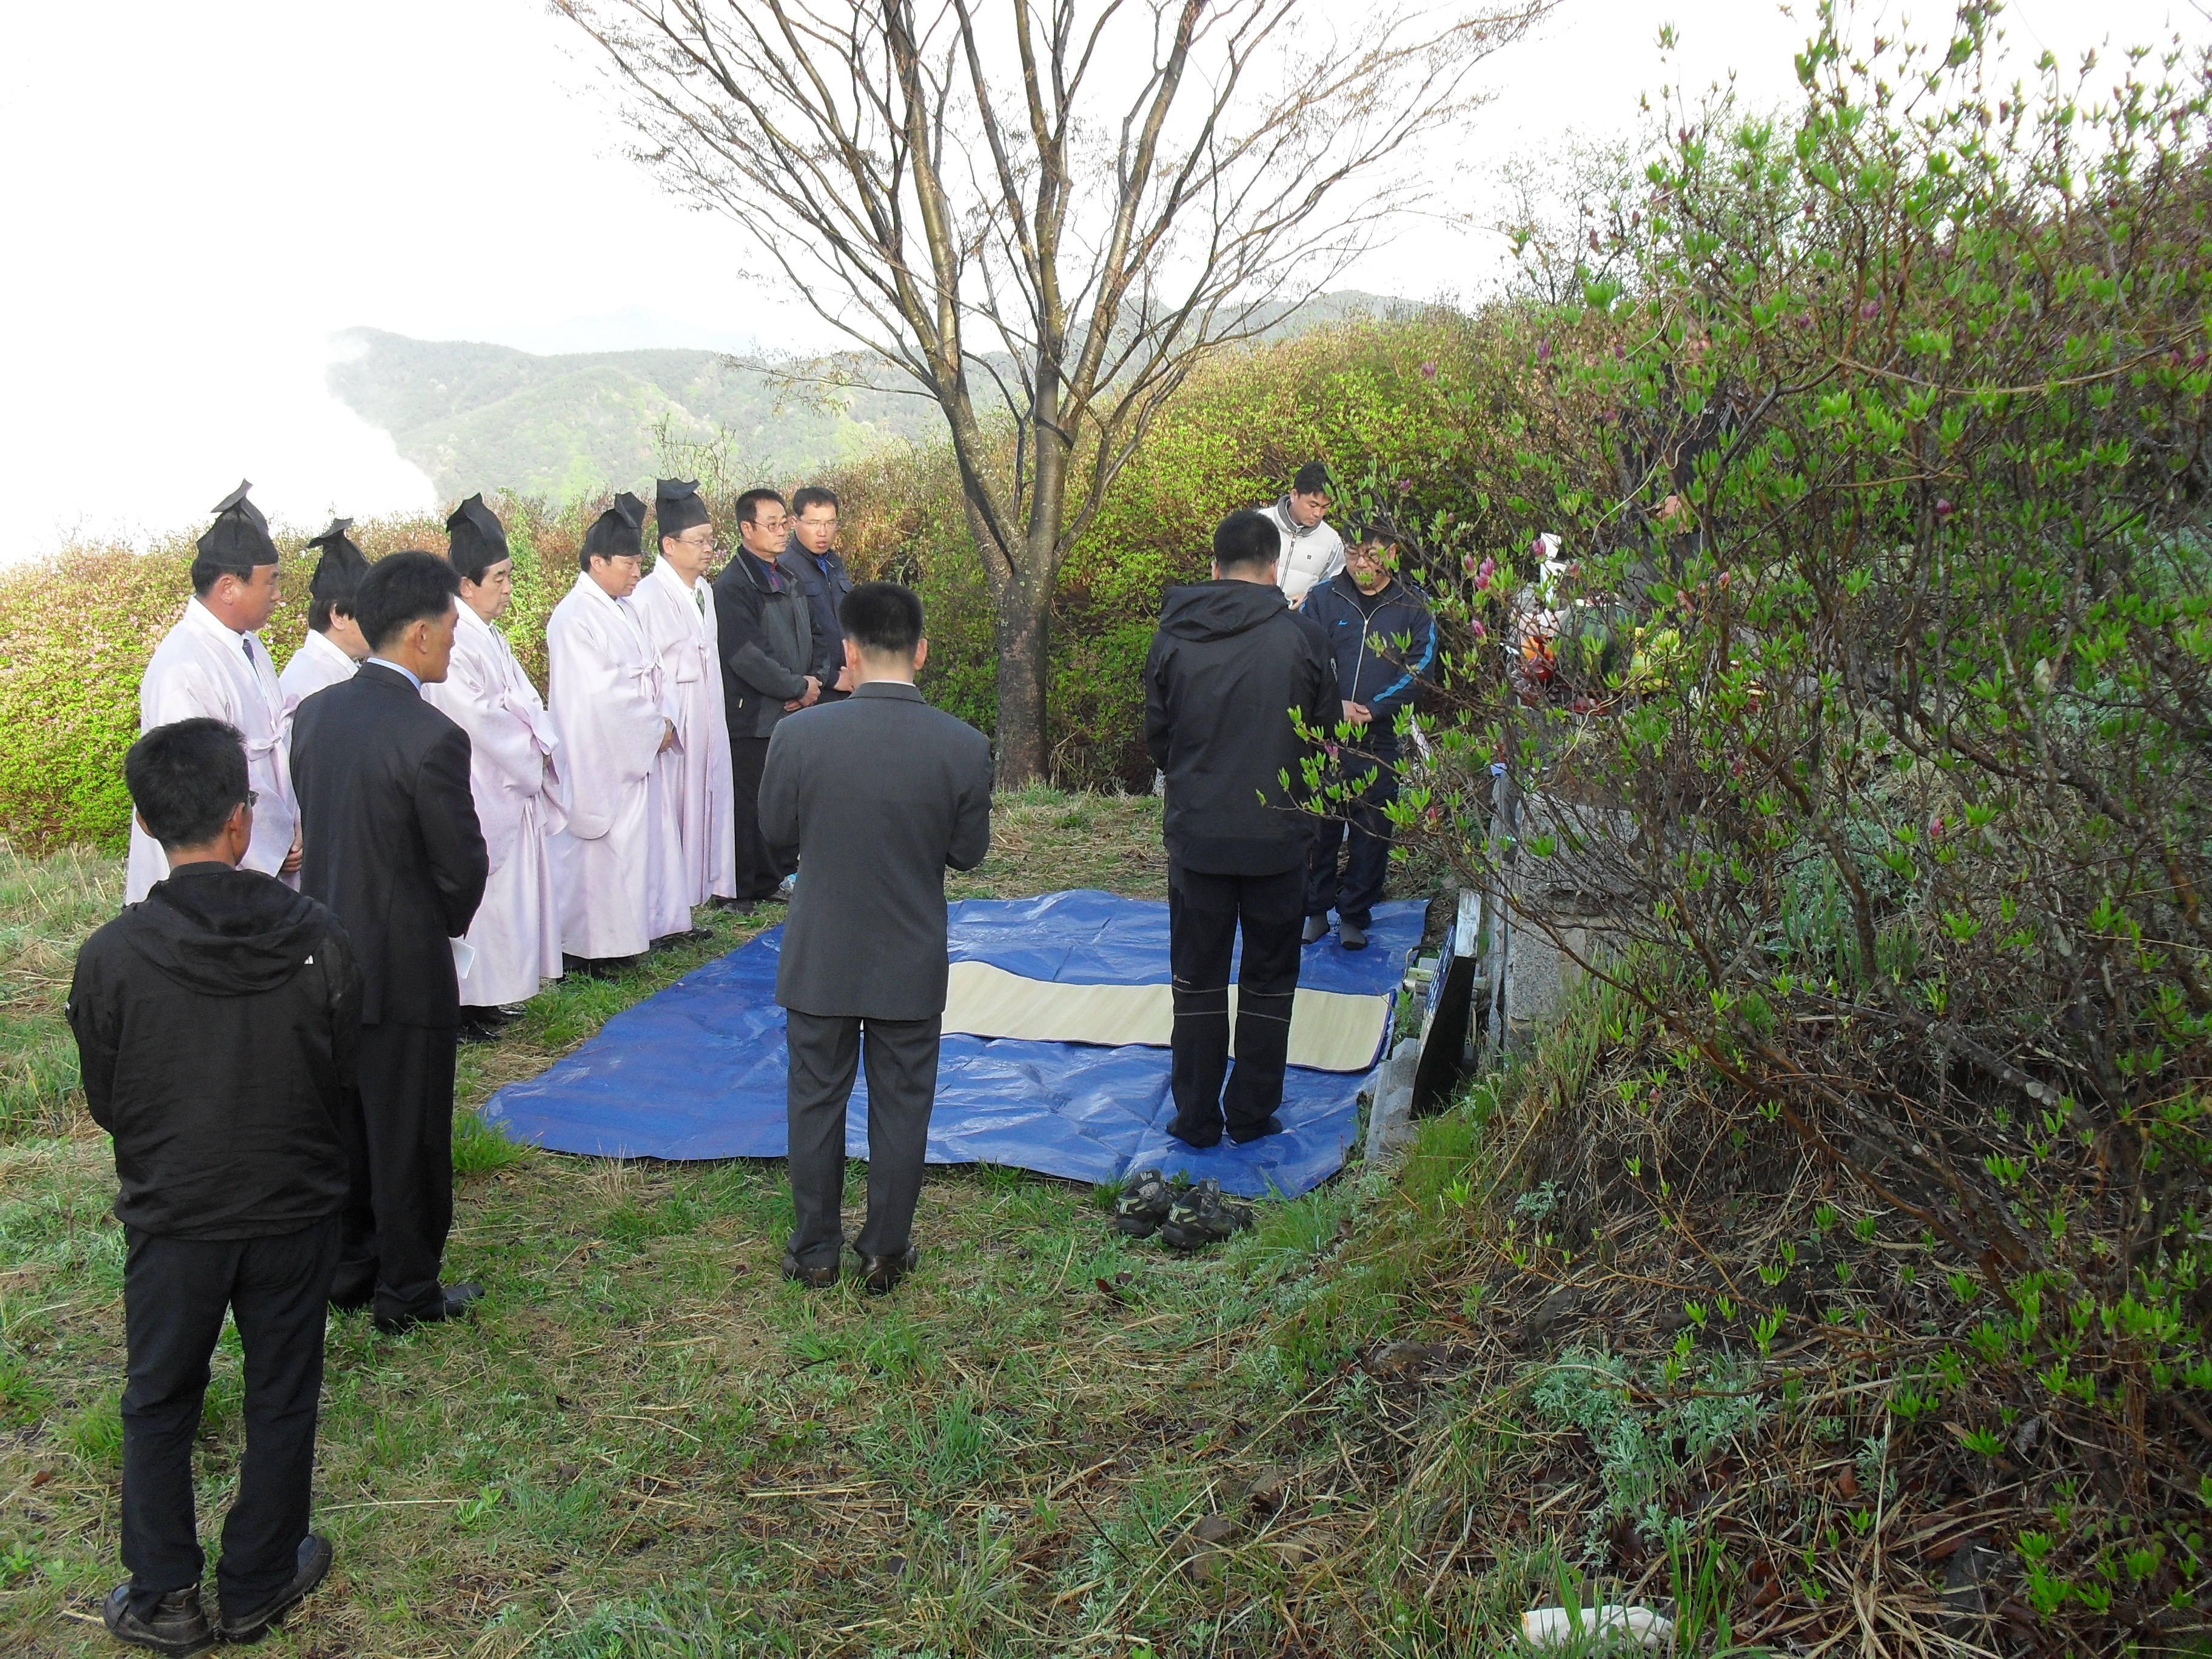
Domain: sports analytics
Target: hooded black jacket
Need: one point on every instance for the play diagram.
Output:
(215, 1023)
(1230, 662)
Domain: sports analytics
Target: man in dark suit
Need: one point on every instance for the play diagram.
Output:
(876, 796)
(1231, 665)
(813, 562)
(767, 651)
(383, 784)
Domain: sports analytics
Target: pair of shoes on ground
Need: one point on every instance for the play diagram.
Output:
(180, 1625)
(599, 967)
(1349, 934)
(486, 1025)
(454, 1300)
(879, 1274)
(1185, 1217)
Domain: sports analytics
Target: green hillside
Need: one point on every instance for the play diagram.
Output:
(477, 417)
(560, 427)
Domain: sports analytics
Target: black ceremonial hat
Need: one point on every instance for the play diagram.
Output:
(676, 507)
(341, 568)
(475, 538)
(615, 533)
(238, 539)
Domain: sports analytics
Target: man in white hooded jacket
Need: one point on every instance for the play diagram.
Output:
(514, 945)
(675, 605)
(616, 722)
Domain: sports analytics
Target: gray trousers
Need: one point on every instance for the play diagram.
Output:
(902, 1060)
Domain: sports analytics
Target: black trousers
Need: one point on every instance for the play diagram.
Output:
(902, 1060)
(399, 1142)
(1366, 825)
(759, 872)
(175, 1293)
(1205, 913)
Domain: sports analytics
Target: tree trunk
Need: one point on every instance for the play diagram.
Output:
(1024, 619)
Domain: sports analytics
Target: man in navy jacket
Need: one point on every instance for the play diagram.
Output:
(1383, 639)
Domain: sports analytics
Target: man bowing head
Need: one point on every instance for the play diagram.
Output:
(212, 666)
(514, 942)
(877, 797)
(394, 848)
(616, 722)
(675, 605)
(334, 647)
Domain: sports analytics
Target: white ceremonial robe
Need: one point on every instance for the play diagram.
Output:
(316, 663)
(612, 712)
(515, 774)
(201, 669)
(680, 626)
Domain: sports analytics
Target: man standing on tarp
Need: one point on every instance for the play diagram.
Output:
(877, 797)
(1384, 640)
(1233, 671)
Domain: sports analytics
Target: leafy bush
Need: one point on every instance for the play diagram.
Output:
(1900, 844)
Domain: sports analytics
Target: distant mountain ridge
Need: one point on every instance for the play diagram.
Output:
(475, 416)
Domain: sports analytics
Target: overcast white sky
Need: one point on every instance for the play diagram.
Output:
(198, 196)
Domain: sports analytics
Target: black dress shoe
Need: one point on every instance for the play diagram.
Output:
(454, 1300)
(814, 1279)
(1241, 1137)
(312, 1565)
(1195, 1136)
(880, 1274)
(176, 1626)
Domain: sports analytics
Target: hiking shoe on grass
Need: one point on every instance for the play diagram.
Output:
(1144, 1204)
(1203, 1216)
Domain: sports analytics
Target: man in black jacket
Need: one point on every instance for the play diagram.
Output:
(1232, 670)
(215, 1023)
(812, 561)
(1383, 640)
(767, 663)
(879, 795)
(383, 778)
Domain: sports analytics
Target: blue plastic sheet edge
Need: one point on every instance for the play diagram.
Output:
(696, 1070)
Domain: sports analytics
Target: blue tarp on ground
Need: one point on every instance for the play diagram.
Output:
(697, 1070)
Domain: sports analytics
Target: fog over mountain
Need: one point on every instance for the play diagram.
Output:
(474, 415)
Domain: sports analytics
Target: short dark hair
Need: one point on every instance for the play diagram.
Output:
(748, 503)
(1312, 479)
(336, 599)
(1245, 540)
(206, 572)
(813, 496)
(186, 779)
(401, 589)
(883, 618)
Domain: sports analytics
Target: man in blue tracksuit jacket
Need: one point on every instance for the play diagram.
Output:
(1384, 640)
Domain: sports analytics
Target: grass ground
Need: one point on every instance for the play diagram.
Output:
(646, 1442)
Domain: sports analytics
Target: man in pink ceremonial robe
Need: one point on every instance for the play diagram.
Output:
(212, 665)
(617, 724)
(334, 647)
(675, 605)
(514, 945)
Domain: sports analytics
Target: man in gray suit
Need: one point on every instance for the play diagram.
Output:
(876, 796)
